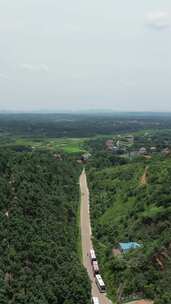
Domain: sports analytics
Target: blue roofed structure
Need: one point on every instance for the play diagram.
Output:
(124, 247)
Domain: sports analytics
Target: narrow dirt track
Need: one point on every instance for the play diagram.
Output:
(86, 237)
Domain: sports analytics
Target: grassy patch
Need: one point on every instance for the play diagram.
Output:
(68, 145)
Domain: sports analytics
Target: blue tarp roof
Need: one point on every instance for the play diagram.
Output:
(129, 245)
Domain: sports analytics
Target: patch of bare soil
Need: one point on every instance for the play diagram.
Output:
(144, 178)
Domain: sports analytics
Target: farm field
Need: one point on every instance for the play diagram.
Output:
(68, 145)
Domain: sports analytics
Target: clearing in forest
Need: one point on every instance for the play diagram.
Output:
(144, 177)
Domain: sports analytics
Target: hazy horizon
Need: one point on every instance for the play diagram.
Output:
(84, 111)
(82, 55)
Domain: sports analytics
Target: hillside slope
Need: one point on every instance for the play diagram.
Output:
(124, 209)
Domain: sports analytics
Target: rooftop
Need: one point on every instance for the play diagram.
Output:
(129, 245)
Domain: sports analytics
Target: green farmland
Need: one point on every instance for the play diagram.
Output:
(68, 145)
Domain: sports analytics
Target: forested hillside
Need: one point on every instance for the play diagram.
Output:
(132, 202)
(39, 200)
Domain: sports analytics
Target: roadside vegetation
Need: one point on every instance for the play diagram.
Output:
(125, 210)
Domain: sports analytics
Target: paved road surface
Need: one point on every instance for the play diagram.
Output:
(86, 237)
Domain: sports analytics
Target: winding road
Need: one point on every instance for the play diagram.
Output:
(86, 237)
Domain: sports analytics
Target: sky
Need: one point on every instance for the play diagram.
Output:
(85, 54)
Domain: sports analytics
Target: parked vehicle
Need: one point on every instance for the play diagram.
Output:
(92, 255)
(100, 284)
(95, 267)
(95, 300)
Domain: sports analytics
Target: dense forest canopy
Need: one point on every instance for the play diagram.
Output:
(39, 201)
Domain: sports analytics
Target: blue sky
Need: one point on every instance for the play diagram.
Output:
(83, 54)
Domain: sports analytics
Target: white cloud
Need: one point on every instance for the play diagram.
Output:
(130, 83)
(159, 20)
(72, 27)
(43, 67)
(35, 67)
(3, 76)
(127, 83)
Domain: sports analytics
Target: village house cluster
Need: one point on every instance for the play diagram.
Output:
(128, 145)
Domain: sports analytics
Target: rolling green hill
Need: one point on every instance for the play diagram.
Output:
(132, 202)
